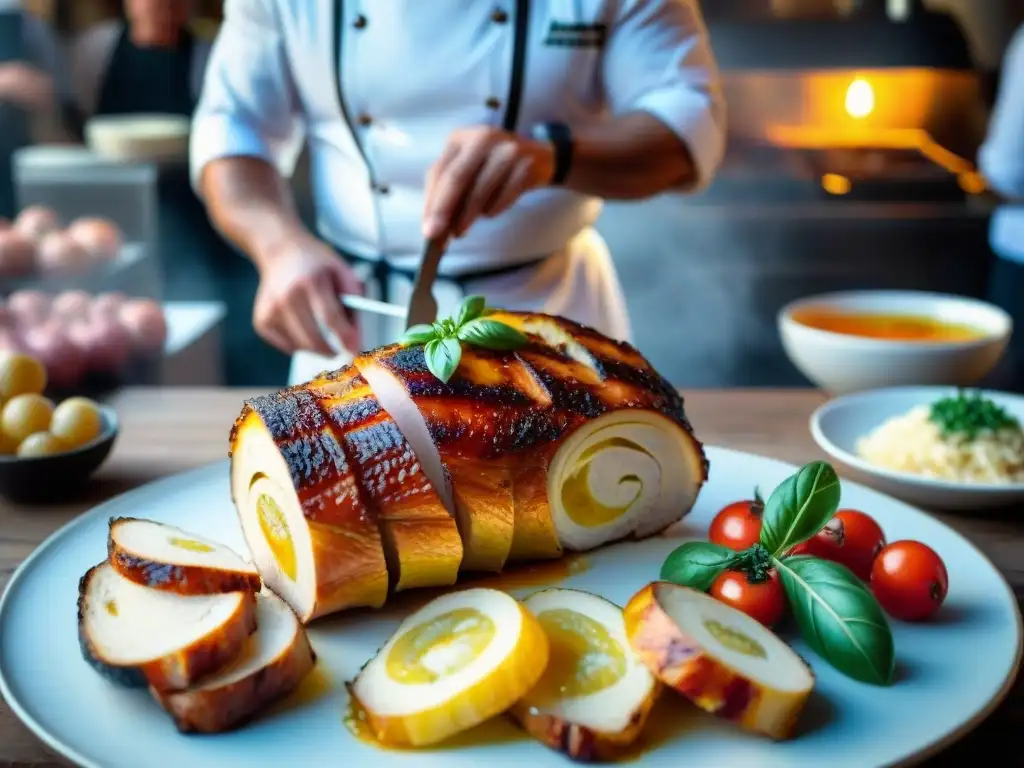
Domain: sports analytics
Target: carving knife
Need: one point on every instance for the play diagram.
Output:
(422, 304)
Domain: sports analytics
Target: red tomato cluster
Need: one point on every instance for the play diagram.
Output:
(908, 578)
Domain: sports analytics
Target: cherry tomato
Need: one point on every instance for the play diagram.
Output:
(738, 526)
(909, 579)
(850, 538)
(763, 600)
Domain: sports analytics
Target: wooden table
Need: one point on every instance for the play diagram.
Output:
(170, 430)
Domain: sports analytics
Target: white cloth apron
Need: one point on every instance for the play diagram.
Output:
(578, 282)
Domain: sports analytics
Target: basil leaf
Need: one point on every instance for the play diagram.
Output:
(470, 309)
(418, 334)
(839, 618)
(442, 356)
(799, 507)
(491, 334)
(697, 564)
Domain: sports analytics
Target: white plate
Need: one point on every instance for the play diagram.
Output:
(838, 424)
(942, 689)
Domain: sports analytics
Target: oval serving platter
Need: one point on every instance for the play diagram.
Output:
(940, 693)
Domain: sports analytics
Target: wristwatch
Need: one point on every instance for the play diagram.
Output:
(560, 136)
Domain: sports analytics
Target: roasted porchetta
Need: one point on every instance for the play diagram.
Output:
(380, 477)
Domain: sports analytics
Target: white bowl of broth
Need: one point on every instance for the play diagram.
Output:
(857, 340)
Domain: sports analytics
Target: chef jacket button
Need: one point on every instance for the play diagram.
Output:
(360, 22)
(364, 119)
(493, 103)
(499, 16)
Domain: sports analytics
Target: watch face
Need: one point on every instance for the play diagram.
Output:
(541, 132)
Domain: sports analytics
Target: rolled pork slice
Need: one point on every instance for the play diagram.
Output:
(627, 462)
(458, 430)
(164, 557)
(314, 540)
(594, 442)
(272, 665)
(136, 636)
(422, 545)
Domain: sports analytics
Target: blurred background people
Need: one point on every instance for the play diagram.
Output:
(33, 84)
(152, 61)
(1001, 160)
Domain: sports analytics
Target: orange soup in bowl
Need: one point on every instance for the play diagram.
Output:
(888, 326)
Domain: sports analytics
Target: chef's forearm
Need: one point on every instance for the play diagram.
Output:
(251, 205)
(628, 158)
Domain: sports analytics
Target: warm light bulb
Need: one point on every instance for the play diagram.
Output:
(860, 98)
(836, 184)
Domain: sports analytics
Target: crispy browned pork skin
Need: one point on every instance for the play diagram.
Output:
(302, 510)
(501, 418)
(487, 468)
(163, 557)
(137, 636)
(271, 667)
(422, 545)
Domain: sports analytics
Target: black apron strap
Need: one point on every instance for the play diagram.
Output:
(381, 272)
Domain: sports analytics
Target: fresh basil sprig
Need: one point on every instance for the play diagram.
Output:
(696, 564)
(839, 618)
(799, 507)
(442, 356)
(441, 340)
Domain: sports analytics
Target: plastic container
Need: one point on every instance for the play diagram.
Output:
(135, 272)
(74, 182)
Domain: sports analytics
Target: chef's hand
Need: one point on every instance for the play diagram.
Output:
(26, 86)
(299, 285)
(487, 168)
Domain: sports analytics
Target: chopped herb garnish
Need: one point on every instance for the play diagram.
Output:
(970, 414)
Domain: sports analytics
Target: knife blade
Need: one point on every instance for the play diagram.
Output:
(363, 304)
(422, 304)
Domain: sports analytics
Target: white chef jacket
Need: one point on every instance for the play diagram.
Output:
(376, 89)
(1001, 157)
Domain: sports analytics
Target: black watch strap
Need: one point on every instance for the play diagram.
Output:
(560, 137)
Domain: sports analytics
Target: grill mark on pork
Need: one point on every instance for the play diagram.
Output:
(410, 365)
(408, 509)
(319, 469)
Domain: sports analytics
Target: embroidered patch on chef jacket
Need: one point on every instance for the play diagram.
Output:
(576, 35)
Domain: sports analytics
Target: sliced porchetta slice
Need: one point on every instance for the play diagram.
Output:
(276, 659)
(720, 658)
(138, 636)
(314, 541)
(618, 457)
(164, 557)
(458, 431)
(421, 540)
(595, 694)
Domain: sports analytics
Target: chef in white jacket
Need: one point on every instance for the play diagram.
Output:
(504, 124)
